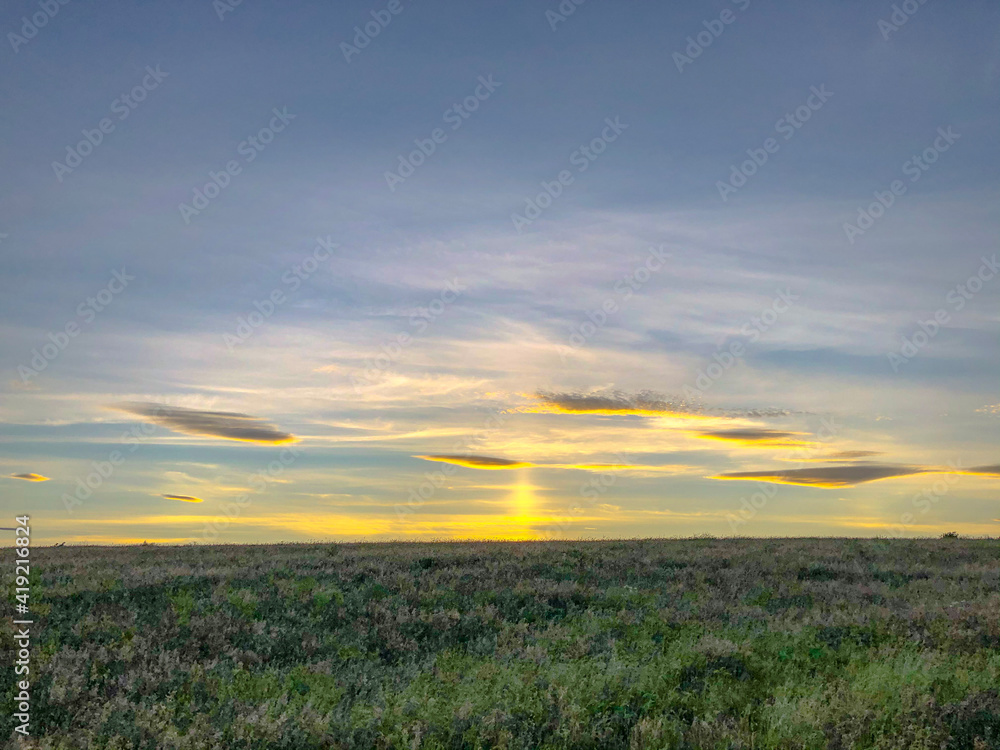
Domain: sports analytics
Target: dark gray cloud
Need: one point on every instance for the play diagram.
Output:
(759, 436)
(30, 477)
(221, 424)
(645, 403)
(829, 476)
(476, 462)
(851, 455)
(183, 498)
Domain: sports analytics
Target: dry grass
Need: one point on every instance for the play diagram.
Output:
(702, 643)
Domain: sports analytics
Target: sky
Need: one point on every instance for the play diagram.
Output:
(519, 270)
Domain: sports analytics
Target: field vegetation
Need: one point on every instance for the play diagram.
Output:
(698, 643)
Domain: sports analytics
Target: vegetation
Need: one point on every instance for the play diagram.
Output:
(700, 643)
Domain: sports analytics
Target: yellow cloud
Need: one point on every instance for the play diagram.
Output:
(30, 477)
(221, 424)
(831, 477)
(477, 462)
(184, 498)
(641, 405)
(756, 437)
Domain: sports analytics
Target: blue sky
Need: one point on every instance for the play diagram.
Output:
(396, 315)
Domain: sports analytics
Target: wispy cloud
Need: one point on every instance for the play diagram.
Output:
(756, 437)
(828, 476)
(31, 477)
(184, 498)
(644, 404)
(221, 424)
(477, 462)
(847, 476)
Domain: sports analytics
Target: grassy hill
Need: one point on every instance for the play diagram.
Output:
(699, 643)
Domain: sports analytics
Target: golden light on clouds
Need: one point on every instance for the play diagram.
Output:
(641, 405)
(184, 498)
(477, 462)
(757, 437)
(30, 477)
(221, 424)
(832, 477)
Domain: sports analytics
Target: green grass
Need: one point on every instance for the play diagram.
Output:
(738, 643)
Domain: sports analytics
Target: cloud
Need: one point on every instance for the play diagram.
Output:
(847, 476)
(851, 455)
(756, 437)
(30, 477)
(830, 476)
(836, 457)
(221, 424)
(184, 498)
(477, 462)
(643, 404)
(987, 471)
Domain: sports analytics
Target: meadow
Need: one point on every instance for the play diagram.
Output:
(696, 643)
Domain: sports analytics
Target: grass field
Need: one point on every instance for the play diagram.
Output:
(699, 643)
